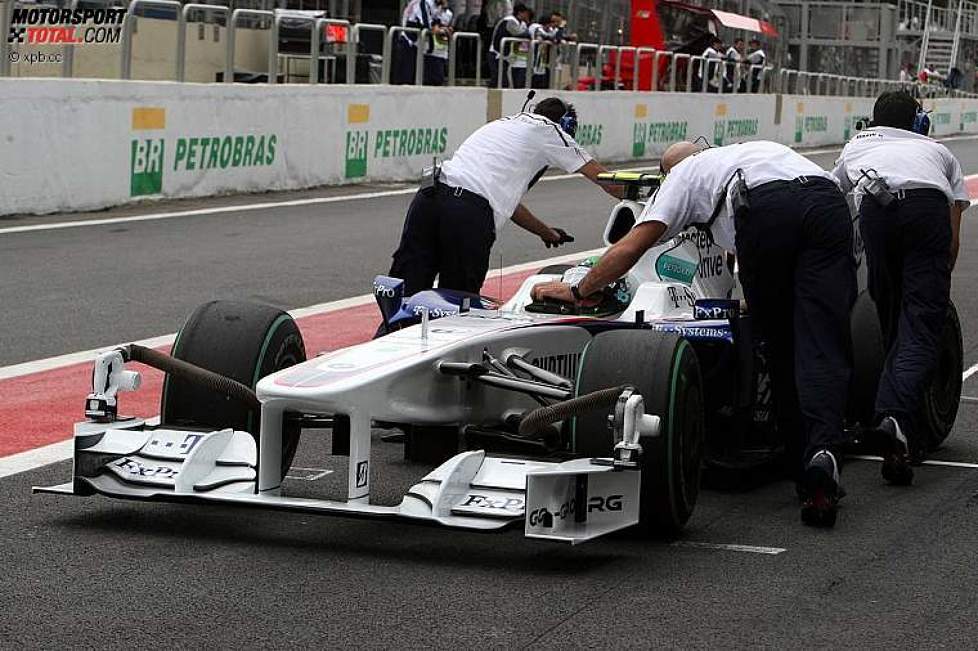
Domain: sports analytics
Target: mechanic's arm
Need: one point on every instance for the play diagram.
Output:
(526, 220)
(591, 169)
(614, 264)
(956, 210)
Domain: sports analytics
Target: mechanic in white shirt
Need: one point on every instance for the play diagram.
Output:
(710, 53)
(514, 25)
(436, 62)
(794, 247)
(417, 14)
(756, 57)
(910, 229)
(451, 225)
(734, 56)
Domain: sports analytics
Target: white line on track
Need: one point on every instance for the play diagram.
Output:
(971, 370)
(312, 201)
(750, 549)
(51, 363)
(927, 462)
(30, 459)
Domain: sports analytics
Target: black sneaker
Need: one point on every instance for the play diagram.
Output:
(820, 490)
(896, 453)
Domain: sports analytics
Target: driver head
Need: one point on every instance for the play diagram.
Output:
(675, 154)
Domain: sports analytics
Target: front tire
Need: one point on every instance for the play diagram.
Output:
(663, 367)
(240, 340)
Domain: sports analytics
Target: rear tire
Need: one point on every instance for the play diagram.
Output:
(943, 395)
(240, 340)
(664, 368)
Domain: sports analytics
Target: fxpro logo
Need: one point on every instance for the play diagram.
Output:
(45, 25)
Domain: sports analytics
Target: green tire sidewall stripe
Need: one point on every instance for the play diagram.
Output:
(676, 365)
(276, 324)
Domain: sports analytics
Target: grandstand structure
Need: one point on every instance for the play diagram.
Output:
(878, 39)
(844, 38)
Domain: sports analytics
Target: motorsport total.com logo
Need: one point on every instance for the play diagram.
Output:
(50, 25)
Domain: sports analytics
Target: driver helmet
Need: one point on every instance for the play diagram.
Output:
(613, 299)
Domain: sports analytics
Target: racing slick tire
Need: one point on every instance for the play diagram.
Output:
(664, 368)
(240, 340)
(868, 353)
(943, 394)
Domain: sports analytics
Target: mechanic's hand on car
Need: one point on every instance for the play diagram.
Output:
(553, 290)
(556, 237)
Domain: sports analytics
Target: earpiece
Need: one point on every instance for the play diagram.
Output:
(921, 122)
(568, 121)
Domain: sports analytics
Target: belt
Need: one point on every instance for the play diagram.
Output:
(443, 188)
(800, 180)
(920, 193)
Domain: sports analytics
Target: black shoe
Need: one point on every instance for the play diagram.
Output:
(820, 490)
(896, 453)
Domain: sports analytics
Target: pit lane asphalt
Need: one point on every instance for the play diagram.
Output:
(899, 568)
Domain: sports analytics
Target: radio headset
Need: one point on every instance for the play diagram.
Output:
(921, 122)
(567, 121)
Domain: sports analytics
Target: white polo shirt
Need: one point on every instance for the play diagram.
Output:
(499, 160)
(695, 186)
(904, 159)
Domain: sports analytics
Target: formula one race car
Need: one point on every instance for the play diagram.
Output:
(572, 422)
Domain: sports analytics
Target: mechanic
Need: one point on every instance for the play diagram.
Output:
(453, 220)
(910, 192)
(417, 14)
(514, 25)
(789, 224)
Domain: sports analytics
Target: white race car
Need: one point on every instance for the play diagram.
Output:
(571, 425)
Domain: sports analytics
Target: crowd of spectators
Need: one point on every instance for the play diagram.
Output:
(497, 21)
(732, 67)
(928, 82)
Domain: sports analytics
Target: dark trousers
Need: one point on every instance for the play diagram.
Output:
(908, 248)
(794, 248)
(446, 233)
(519, 78)
(404, 66)
(435, 70)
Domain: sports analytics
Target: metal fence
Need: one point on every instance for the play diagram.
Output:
(800, 82)
(587, 66)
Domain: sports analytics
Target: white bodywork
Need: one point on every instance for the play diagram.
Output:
(396, 379)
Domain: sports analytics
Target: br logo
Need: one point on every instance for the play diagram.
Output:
(146, 167)
(356, 154)
(719, 131)
(639, 133)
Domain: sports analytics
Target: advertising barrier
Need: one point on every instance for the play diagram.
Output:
(72, 145)
(621, 126)
(81, 145)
